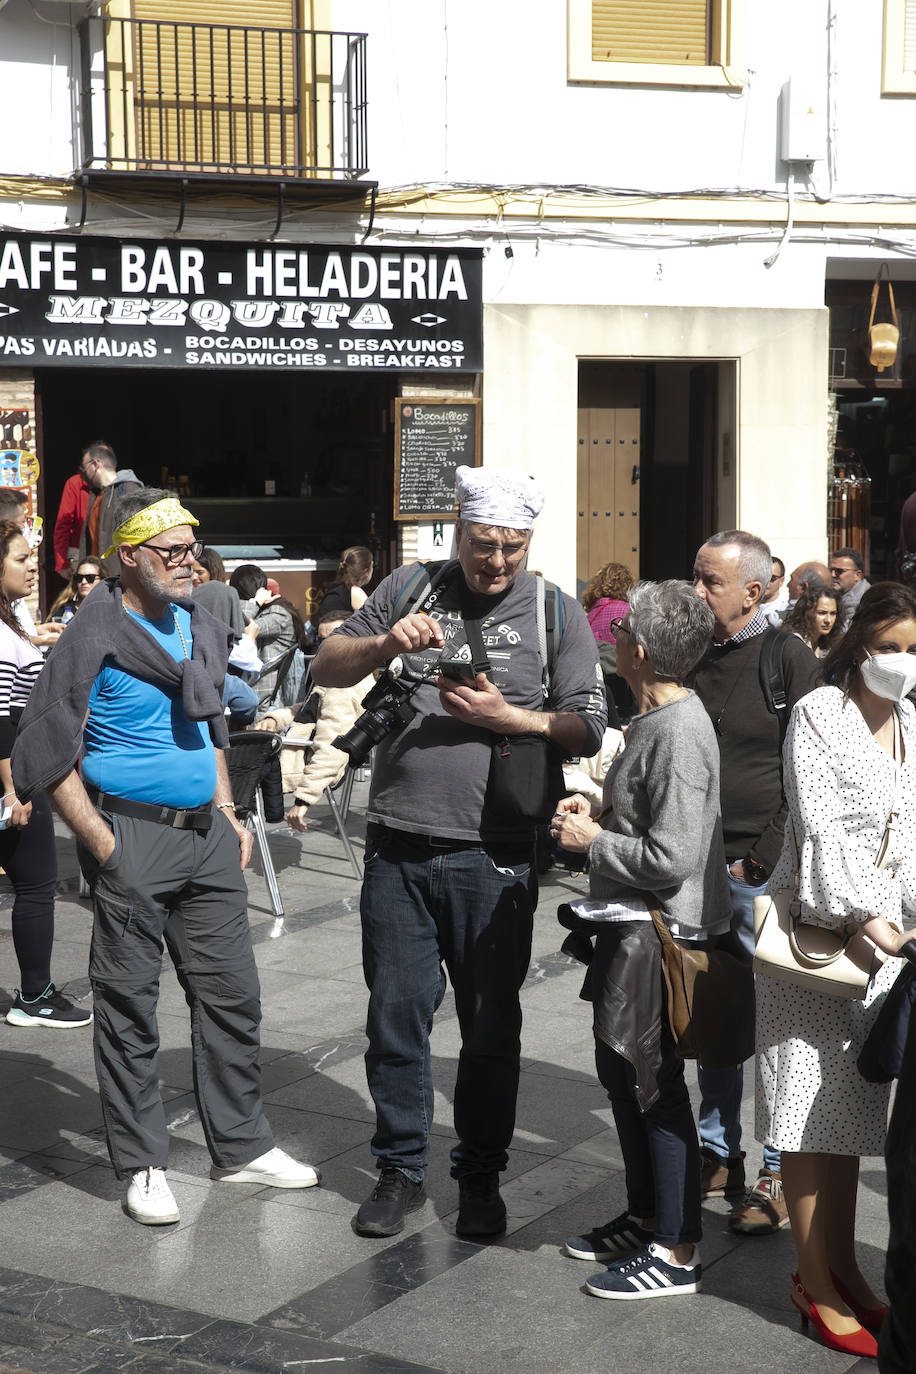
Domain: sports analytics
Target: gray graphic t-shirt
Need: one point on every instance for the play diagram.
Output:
(430, 777)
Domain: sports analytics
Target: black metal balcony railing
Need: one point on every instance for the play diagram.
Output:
(222, 98)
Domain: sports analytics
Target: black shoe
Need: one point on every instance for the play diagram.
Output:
(51, 1008)
(481, 1210)
(392, 1198)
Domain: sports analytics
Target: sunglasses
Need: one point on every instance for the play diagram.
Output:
(88, 577)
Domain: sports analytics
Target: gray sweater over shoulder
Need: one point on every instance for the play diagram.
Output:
(665, 833)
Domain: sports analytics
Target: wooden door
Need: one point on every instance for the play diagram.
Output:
(607, 473)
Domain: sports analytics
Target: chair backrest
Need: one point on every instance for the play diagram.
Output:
(281, 666)
(248, 751)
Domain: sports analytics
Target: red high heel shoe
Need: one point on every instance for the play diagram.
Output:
(860, 1342)
(870, 1317)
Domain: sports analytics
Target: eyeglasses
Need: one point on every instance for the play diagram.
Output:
(88, 577)
(176, 553)
(485, 550)
(618, 624)
(84, 468)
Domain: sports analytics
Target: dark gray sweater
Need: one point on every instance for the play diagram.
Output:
(666, 834)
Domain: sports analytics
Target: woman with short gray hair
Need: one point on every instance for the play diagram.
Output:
(658, 840)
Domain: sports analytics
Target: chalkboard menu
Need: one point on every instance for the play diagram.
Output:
(431, 440)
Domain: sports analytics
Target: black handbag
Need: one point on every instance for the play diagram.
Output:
(881, 1057)
(525, 780)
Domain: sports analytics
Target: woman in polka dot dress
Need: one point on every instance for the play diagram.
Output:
(850, 750)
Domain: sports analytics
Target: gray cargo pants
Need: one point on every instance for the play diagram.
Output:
(186, 888)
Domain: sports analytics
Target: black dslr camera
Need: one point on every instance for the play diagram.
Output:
(388, 708)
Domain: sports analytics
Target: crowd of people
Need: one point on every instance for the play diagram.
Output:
(767, 735)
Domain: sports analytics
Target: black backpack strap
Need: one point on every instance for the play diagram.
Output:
(773, 676)
(424, 580)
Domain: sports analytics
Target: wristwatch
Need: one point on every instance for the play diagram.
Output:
(755, 872)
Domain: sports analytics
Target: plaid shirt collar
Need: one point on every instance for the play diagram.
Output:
(755, 626)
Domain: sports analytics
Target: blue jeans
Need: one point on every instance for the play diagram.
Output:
(659, 1147)
(721, 1089)
(472, 911)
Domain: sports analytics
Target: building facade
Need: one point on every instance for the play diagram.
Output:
(636, 242)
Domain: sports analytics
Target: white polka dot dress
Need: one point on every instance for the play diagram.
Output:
(839, 786)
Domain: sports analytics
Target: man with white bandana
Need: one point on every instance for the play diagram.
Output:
(133, 689)
(448, 882)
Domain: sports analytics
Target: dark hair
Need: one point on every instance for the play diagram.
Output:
(328, 616)
(354, 563)
(211, 560)
(102, 453)
(247, 579)
(885, 603)
(782, 566)
(797, 616)
(130, 502)
(11, 503)
(613, 581)
(854, 557)
(9, 531)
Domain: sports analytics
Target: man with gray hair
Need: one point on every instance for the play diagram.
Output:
(450, 877)
(133, 690)
(731, 571)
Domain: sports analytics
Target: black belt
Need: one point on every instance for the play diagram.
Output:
(446, 844)
(179, 818)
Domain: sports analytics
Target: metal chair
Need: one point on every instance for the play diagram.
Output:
(248, 751)
(340, 810)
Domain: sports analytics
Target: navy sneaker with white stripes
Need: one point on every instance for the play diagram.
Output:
(612, 1241)
(647, 1274)
(51, 1008)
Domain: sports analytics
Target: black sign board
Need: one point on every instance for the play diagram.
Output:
(104, 302)
(431, 440)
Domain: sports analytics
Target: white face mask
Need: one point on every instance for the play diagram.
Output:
(890, 676)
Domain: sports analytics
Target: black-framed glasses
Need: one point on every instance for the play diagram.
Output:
(176, 553)
(617, 624)
(483, 549)
(88, 577)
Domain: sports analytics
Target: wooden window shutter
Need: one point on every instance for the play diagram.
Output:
(909, 36)
(670, 32)
(227, 96)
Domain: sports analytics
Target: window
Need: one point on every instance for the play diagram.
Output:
(898, 76)
(657, 42)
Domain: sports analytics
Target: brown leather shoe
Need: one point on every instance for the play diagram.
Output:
(720, 1177)
(763, 1210)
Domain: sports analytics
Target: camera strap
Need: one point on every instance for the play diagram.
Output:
(472, 630)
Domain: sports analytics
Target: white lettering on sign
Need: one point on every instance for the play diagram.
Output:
(286, 272)
(185, 278)
(45, 259)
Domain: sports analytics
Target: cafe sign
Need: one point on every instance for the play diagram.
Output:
(75, 301)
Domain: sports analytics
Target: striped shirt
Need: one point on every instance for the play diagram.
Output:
(20, 664)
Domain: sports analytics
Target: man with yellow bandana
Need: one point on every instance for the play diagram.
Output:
(134, 688)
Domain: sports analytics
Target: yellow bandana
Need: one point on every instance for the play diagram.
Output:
(161, 515)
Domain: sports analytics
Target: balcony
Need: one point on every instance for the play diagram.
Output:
(222, 101)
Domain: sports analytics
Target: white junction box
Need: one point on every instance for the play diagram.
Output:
(803, 122)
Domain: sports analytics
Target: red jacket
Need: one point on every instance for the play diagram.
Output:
(71, 516)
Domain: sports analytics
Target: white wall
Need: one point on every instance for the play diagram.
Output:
(39, 70)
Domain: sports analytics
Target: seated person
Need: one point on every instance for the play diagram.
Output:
(308, 760)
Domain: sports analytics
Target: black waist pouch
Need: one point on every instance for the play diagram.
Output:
(525, 781)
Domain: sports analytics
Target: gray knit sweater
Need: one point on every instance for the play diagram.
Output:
(665, 835)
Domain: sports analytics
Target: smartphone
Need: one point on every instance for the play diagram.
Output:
(459, 671)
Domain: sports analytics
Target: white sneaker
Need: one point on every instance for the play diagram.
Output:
(149, 1198)
(276, 1169)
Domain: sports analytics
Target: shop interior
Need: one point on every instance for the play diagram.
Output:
(873, 467)
(284, 466)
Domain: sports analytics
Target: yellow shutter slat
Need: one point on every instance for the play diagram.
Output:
(662, 31)
(218, 91)
(909, 36)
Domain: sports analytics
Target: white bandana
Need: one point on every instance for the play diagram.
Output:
(494, 496)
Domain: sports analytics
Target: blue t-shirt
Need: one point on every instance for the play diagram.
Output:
(138, 742)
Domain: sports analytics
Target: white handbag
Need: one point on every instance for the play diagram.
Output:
(839, 963)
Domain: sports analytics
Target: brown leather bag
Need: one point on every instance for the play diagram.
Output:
(883, 339)
(710, 1000)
